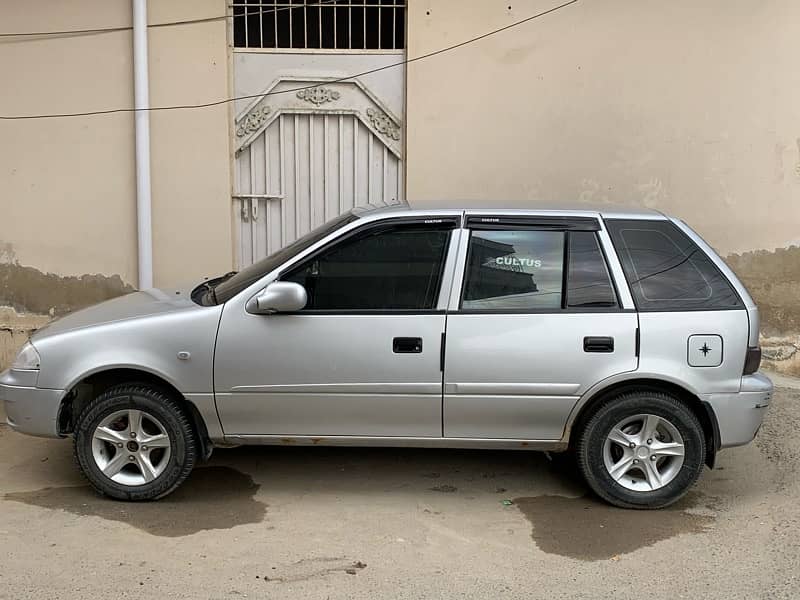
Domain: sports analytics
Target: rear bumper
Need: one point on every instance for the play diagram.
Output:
(29, 409)
(740, 414)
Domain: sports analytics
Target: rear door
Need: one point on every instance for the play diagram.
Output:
(534, 323)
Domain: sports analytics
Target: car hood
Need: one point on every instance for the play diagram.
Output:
(130, 306)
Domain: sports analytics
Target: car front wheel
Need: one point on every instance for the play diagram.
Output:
(134, 442)
(642, 450)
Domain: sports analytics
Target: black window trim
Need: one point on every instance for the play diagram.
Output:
(529, 224)
(565, 272)
(695, 248)
(544, 222)
(445, 222)
(609, 274)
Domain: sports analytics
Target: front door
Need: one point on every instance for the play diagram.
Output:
(537, 323)
(363, 357)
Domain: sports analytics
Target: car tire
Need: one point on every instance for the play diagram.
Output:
(111, 440)
(629, 450)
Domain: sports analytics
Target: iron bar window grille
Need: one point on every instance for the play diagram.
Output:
(319, 24)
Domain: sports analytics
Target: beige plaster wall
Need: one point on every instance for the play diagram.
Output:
(67, 186)
(192, 228)
(689, 107)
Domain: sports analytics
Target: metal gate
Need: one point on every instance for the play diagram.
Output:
(306, 166)
(318, 142)
(314, 145)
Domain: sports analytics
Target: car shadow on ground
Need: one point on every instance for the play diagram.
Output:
(236, 486)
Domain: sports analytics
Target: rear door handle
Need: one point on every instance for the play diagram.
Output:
(407, 345)
(598, 344)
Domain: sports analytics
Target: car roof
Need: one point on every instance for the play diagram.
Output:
(518, 208)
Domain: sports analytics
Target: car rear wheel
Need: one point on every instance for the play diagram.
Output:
(641, 450)
(134, 442)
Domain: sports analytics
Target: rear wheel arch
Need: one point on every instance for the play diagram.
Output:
(701, 410)
(90, 386)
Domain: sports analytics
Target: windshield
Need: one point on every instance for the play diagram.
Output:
(228, 288)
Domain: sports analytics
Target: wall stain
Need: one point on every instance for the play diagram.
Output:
(27, 289)
(773, 279)
(797, 166)
(212, 498)
(588, 529)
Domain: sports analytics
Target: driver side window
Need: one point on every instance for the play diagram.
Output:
(384, 268)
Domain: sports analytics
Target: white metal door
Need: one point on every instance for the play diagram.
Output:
(317, 130)
(305, 168)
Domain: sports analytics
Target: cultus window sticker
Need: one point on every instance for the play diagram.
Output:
(517, 261)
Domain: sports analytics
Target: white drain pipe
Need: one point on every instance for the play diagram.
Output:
(141, 100)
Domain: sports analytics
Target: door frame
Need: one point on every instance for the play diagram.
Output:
(609, 253)
(546, 220)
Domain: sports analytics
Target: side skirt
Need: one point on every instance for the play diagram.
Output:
(396, 442)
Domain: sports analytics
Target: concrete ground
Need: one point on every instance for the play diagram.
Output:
(385, 523)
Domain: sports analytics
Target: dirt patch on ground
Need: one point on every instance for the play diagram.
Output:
(212, 498)
(779, 437)
(589, 529)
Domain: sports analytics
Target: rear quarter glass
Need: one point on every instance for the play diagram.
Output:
(666, 270)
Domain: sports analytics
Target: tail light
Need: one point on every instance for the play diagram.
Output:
(752, 361)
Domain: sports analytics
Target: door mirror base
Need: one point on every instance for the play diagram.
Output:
(278, 297)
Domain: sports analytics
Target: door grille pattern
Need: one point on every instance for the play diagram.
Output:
(303, 170)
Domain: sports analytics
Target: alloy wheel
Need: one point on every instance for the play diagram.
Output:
(644, 452)
(131, 447)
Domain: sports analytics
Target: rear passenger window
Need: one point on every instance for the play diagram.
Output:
(514, 270)
(519, 270)
(666, 270)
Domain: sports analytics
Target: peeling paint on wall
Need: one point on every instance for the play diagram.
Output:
(29, 298)
(15, 328)
(28, 290)
(773, 279)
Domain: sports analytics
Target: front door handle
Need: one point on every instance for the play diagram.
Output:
(407, 345)
(598, 344)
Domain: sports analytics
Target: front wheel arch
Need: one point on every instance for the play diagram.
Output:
(91, 386)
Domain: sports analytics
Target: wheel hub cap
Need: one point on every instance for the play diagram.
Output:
(643, 453)
(131, 447)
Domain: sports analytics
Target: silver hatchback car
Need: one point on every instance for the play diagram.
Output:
(620, 337)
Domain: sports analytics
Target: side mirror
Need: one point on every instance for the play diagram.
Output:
(279, 296)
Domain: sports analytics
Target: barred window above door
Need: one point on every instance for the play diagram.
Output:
(319, 24)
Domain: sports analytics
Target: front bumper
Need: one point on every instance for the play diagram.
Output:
(740, 414)
(29, 409)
